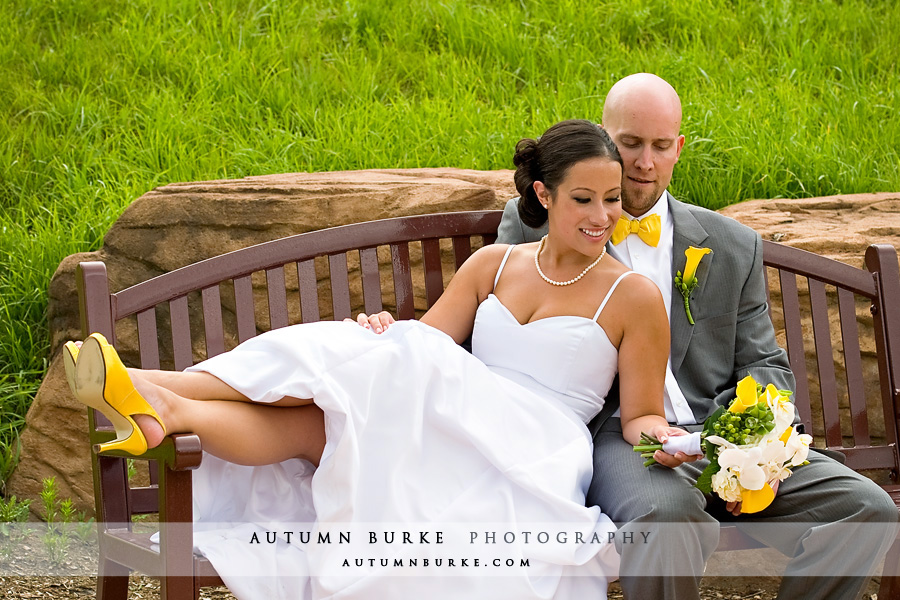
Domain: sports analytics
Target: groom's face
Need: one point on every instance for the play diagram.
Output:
(645, 129)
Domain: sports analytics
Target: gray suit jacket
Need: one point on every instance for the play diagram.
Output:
(732, 335)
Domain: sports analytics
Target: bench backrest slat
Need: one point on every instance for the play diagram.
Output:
(371, 280)
(309, 290)
(403, 287)
(214, 332)
(243, 308)
(824, 362)
(340, 286)
(148, 338)
(859, 420)
(277, 296)
(434, 279)
(793, 331)
(462, 249)
(181, 333)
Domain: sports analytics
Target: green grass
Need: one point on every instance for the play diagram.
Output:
(100, 102)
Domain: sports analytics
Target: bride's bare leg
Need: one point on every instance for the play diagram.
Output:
(200, 386)
(239, 432)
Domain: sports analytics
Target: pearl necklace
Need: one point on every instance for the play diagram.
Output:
(561, 283)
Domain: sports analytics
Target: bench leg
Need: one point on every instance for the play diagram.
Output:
(890, 579)
(178, 588)
(112, 581)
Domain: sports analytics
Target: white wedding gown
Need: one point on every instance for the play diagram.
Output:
(424, 437)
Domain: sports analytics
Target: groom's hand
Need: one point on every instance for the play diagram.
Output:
(735, 507)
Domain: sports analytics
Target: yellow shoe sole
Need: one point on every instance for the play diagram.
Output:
(70, 357)
(102, 382)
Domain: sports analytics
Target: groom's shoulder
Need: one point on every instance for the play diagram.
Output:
(512, 230)
(719, 225)
(511, 208)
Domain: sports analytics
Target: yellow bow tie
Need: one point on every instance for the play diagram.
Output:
(648, 229)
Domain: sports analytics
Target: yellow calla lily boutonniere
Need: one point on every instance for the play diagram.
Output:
(688, 281)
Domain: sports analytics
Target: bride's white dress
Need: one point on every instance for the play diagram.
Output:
(423, 437)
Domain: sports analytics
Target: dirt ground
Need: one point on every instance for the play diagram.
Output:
(146, 588)
(31, 557)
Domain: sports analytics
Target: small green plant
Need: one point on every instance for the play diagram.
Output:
(84, 527)
(48, 499)
(12, 511)
(63, 523)
(8, 458)
(67, 511)
(57, 545)
(55, 540)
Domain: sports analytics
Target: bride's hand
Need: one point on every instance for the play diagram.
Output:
(378, 322)
(663, 433)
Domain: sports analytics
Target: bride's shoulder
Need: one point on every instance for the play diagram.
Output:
(638, 291)
(480, 267)
(492, 250)
(489, 257)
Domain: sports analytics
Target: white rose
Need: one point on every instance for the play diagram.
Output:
(726, 486)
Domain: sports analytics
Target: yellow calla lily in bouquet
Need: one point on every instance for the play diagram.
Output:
(750, 445)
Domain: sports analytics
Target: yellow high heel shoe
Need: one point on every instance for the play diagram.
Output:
(102, 383)
(70, 356)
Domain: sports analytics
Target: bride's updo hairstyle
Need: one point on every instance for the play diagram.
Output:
(549, 158)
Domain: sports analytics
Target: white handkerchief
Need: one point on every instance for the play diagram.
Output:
(689, 444)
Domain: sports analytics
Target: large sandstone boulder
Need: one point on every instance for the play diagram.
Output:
(838, 227)
(179, 224)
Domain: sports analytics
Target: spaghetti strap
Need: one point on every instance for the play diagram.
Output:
(502, 264)
(610, 292)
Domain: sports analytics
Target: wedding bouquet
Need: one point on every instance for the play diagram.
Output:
(750, 445)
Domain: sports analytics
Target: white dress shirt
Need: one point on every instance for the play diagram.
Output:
(656, 264)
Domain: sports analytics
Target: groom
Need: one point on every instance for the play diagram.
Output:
(731, 337)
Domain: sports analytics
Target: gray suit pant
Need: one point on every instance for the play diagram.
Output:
(814, 510)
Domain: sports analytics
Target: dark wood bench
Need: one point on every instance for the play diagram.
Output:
(203, 309)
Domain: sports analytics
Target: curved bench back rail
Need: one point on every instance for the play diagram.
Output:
(359, 251)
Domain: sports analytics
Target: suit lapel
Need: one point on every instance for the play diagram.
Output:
(687, 232)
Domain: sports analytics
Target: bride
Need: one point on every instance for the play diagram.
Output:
(392, 426)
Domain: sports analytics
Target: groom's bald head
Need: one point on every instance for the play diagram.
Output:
(642, 114)
(642, 91)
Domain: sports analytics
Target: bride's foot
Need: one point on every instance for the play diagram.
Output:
(154, 430)
(102, 382)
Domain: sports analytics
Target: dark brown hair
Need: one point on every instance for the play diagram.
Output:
(549, 158)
